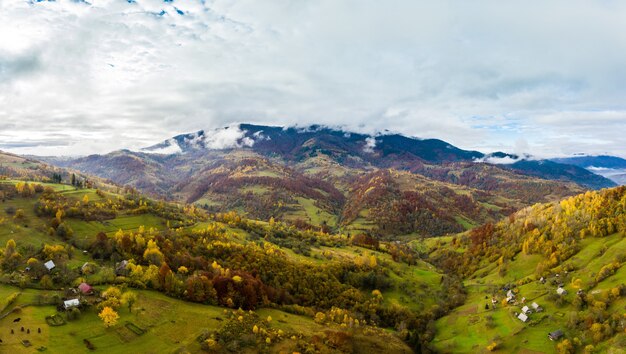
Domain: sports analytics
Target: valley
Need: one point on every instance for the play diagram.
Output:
(318, 250)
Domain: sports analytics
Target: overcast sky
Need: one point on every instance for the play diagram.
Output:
(547, 78)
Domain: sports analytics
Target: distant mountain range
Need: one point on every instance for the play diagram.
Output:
(383, 151)
(330, 178)
(611, 167)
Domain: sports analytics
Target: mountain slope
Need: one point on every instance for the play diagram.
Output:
(577, 243)
(315, 176)
(203, 282)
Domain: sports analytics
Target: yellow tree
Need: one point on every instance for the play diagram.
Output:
(152, 253)
(109, 316)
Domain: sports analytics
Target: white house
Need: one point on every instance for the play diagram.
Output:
(71, 303)
(525, 309)
(49, 265)
(522, 317)
(561, 291)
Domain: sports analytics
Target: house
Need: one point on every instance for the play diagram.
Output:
(85, 288)
(68, 304)
(510, 296)
(556, 335)
(523, 317)
(561, 291)
(536, 307)
(542, 280)
(526, 310)
(49, 265)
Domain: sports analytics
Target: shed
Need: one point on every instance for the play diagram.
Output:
(561, 291)
(523, 317)
(556, 335)
(49, 265)
(67, 304)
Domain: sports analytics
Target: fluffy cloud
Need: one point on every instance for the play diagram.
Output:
(84, 77)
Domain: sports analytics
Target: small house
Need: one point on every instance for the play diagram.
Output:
(68, 304)
(542, 280)
(526, 310)
(523, 317)
(49, 265)
(561, 291)
(85, 288)
(556, 335)
(536, 307)
(510, 293)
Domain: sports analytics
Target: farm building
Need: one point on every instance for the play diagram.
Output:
(556, 335)
(522, 317)
(49, 265)
(67, 304)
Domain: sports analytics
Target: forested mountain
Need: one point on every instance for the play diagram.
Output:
(320, 176)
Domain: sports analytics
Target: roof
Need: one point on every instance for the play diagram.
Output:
(84, 287)
(556, 334)
(561, 291)
(49, 265)
(71, 303)
(523, 317)
(535, 305)
(525, 309)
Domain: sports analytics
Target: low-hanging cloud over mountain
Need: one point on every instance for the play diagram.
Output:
(80, 77)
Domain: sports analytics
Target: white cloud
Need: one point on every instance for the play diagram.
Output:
(481, 74)
(370, 144)
(227, 138)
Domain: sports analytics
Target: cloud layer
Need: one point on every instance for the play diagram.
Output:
(79, 77)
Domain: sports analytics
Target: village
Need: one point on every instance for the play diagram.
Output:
(69, 302)
(527, 311)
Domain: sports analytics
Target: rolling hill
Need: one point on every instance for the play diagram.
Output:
(219, 283)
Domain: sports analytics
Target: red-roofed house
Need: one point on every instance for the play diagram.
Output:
(85, 288)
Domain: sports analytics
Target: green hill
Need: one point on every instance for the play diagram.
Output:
(202, 282)
(577, 243)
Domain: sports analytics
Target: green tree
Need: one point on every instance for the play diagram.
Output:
(129, 298)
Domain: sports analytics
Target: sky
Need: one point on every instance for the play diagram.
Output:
(545, 78)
